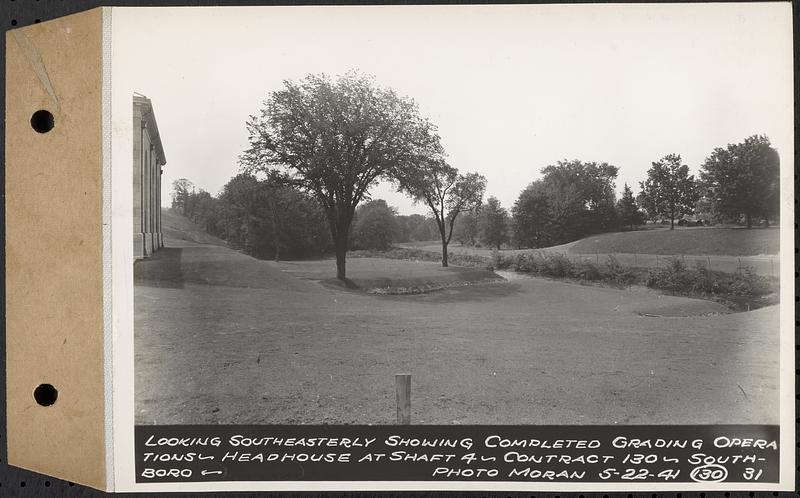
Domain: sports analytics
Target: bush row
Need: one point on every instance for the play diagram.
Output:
(677, 278)
(557, 265)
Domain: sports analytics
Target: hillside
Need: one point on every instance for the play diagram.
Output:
(700, 241)
(176, 227)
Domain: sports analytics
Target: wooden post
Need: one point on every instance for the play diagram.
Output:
(402, 384)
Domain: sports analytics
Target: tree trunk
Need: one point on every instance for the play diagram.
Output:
(749, 219)
(276, 226)
(341, 252)
(444, 252)
(672, 223)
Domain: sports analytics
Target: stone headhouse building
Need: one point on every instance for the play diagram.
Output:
(148, 161)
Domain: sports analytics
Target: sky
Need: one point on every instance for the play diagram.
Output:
(511, 89)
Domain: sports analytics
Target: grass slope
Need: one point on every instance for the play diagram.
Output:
(700, 241)
(225, 338)
(179, 229)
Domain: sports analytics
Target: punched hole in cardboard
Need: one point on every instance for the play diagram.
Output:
(45, 394)
(42, 121)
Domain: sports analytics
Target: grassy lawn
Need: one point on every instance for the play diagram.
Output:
(225, 338)
(391, 276)
(720, 249)
(698, 241)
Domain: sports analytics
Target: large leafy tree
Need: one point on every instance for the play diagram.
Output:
(571, 200)
(445, 192)
(336, 138)
(493, 224)
(744, 180)
(531, 218)
(669, 190)
(581, 198)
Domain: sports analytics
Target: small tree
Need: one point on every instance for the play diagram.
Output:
(628, 209)
(445, 192)
(494, 224)
(669, 190)
(744, 179)
(336, 139)
(181, 189)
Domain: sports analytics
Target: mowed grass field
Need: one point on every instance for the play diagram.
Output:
(694, 241)
(721, 249)
(225, 338)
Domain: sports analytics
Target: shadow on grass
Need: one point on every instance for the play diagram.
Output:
(345, 284)
(432, 292)
(162, 269)
(477, 292)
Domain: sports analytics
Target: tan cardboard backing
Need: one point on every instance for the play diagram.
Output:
(54, 304)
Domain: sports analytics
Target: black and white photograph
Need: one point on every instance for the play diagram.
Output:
(477, 215)
(539, 221)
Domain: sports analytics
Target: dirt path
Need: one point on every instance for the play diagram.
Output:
(224, 338)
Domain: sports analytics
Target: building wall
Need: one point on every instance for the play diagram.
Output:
(148, 160)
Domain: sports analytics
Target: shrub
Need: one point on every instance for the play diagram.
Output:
(672, 277)
(749, 284)
(586, 270)
(676, 278)
(616, 273)
(705, 281)
(556, 265)
(500, 261)
(464, 259)
(525, 262)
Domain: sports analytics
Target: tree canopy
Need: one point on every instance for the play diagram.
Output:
(336, 138)
(493, 224)
(181, 189)
(743, 180)
(530, 217)
(572, 199)
(376, 226)
(669, 190)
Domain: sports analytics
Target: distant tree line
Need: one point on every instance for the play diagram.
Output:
(271, 219)
(318, 145)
